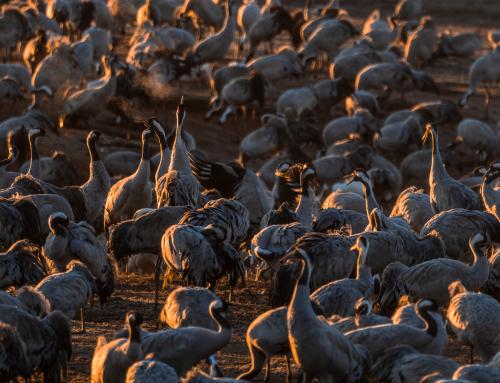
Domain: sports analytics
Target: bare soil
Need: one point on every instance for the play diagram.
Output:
(221, 144)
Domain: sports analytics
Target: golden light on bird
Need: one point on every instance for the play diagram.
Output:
(61, 122)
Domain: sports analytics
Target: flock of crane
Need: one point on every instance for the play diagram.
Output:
(311, 226)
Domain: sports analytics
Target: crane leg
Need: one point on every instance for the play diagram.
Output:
(83, 322)
(157, 279)
(267, 379)
(289, 376)
(486, 100)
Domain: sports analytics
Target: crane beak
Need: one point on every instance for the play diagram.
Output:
(425, 136)
(354, 248)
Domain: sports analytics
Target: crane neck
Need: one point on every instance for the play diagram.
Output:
(304, 208)
(371, 202)
(437, 163)
(6, 162)
(220, 319)
(180, 156)
(134, 333)
(94, 154)
(165, 155)
(431, 327)
(35, 166)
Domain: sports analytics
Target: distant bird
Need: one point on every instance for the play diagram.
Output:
(67, 292)
(20, 266)
(331, 219)
(112, 360)
(461, 45)
(421, 44)
(415, 207)
(282, 216)
(35, 169)
(486, 71)
(446, 193)
(69, 241)
(409, 9)
(132, 193)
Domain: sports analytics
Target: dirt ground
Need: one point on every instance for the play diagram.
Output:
(221, 144)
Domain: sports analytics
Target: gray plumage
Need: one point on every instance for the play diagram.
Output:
(29, 300)
(379, 339)
(57, 170)
(96, 189)
(409, 9)
(47, 205)
(325, 93)
(22, 76)
(48, 341)
(421, 44)
(70, 291)
(327, 38)
(282, 216)
(377, 77)
(89, 102)
(20, 219)
(332, 259)
(20, 266)
(236, 182)
(478, 373)
(440, 112)
(132, 193)
(397, 137)
(385, 178)
(267, 336)
(432, 278)
(446, 193)
(405, 364)
(362, 100)
(363, 318)
(217, 46)
(273, 242)
(14, 361)
(346, 201)
(407, 315)
(456, 226)
(415, 207)
(69, 241)
(143, 234)
(189, 345)
(474, 318)
(340, 297)
(485, 70)
(55, 70)
(230, 214)
(478, 137)
(492, 285)
(284, 64)
(151, 370)
(415, 168)
(190, 307)
(332, 219)
(362, 123)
